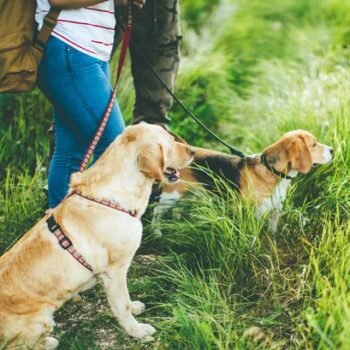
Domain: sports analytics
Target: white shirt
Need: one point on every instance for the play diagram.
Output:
(89, 29)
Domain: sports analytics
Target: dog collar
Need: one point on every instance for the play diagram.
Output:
(109, 204)
(273, 170)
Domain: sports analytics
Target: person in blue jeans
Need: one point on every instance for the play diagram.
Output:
(74, 75)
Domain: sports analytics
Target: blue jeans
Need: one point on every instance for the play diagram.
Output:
(78, 86)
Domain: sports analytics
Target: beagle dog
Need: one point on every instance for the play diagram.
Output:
(265, 178)
(90, 237)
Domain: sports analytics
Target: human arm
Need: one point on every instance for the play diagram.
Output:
(74, 4)
(138, 3)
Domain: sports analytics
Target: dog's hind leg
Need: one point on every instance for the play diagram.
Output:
(115, 283)
(32, 333)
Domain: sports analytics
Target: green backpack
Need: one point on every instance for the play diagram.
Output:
(21, 47)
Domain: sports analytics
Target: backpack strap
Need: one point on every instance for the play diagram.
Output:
(49, 23)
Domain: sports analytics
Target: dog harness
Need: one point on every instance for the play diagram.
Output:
(109, 204)
(63, 239)
(65, 242)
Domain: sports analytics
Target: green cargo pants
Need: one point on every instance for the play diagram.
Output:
(156, 36)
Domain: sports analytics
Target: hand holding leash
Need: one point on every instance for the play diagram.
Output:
(137, 3)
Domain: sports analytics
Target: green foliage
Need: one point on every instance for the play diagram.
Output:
(251, 70)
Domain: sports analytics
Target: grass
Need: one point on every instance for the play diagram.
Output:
(217, 279)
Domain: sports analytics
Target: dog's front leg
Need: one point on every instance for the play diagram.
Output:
(115, 283)
(156, 219)
(273, 219)
(166, 202)
(272, 212)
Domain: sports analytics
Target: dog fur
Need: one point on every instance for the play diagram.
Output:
(295, 152)
(37, 276)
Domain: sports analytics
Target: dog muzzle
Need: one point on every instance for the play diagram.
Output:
(172, 175)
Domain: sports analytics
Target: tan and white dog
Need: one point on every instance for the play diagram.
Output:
(37, 276)
(265, 177)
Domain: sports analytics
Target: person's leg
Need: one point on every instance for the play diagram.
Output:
(65, 160)
(156, 36)
(79, 89)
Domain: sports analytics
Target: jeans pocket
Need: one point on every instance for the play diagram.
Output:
(80, 59)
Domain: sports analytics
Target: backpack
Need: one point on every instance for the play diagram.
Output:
(21, 47)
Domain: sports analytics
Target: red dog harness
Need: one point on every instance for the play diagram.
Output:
(63, 239)
(65, 242)
(109, 204)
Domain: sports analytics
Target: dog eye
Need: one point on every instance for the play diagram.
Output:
(314, 145)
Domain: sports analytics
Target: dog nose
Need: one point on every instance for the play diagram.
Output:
(331, 151)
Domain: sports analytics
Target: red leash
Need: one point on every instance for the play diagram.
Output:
(53, 226)
(108, 111)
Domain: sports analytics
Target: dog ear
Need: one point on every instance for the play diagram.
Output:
(151, 161)
(275, 153)
(300, 156)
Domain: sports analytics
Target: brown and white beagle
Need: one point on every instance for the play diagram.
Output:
(265, 177)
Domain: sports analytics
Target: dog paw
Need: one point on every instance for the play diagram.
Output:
(141, 330)
(51, 343)
(137, 307)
